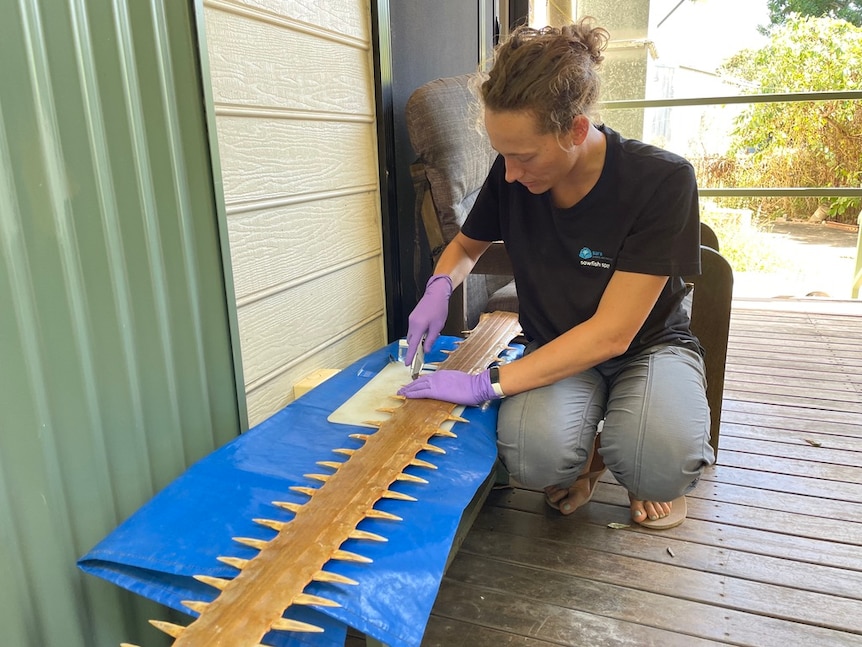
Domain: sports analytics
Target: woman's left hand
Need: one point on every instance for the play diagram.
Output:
(452, 386)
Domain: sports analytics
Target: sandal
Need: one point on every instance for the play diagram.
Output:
(677, 515)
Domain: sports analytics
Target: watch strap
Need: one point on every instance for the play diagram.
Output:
(494, 375)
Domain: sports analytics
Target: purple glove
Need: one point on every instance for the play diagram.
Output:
(452, 386)
(429, 315)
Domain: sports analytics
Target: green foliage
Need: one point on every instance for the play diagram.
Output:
(812, 143)
(746, 246)
(780, 10)
(842, 206)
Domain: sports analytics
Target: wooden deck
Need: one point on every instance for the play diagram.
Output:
(771, 554)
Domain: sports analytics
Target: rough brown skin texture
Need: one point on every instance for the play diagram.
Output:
(253, 602)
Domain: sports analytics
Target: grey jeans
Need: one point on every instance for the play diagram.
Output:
(655, 435)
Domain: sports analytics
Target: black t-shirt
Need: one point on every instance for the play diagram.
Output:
(641, 216)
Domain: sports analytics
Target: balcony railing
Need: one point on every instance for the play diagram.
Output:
(792, 192)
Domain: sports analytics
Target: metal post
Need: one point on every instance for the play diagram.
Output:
(857, 273)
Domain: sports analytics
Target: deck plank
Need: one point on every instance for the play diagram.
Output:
(703, 624)
(793, 415)
(848, 476)
(822, 453)
(770, 555)
(712, 556)
(740, 414)
(779, 541)
(561, 560)
(546, 607)
(828, 438)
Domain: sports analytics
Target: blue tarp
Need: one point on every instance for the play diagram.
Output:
(185, 527)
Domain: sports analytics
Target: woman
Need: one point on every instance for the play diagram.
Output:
(600, 229)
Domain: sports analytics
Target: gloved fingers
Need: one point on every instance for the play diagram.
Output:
(451, 386)
(411, 351)
(430, 338)
(418, 388)
(429, 315)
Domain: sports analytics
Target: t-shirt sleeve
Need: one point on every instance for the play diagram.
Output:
(665, 237)
(483, 221)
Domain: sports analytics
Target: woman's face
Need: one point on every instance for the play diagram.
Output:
(538, 161)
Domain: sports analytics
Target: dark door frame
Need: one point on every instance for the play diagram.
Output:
(408, 52)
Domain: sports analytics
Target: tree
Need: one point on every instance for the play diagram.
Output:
(780, 10)
(811, 143)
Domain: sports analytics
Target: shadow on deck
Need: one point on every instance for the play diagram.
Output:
(771, 553)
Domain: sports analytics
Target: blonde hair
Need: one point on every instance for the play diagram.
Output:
(551, 72)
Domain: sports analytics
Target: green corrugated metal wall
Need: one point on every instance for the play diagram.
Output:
(115, 335)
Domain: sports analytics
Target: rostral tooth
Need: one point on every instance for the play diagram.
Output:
(314, 600)
(216, 582)
(455, 418)
(333, 464)
(374, 423)
(418, 462)
(236, 562)
(387, 409)
(283, 624)
(380, 514)
(260, 544)
(195, 605)
(169, 628)
(346, 452)
(360, 436)
(287, 505)
(304, 490)
(364, 534)
(270, 523)
(445, 433)
(317, 477)
(347, 556)
(431, 448)
(410, 478)
(400, 496)
(332, 578)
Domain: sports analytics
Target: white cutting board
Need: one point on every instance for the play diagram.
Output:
(362, 407)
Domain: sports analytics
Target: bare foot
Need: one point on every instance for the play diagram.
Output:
(658, 515)
(652, 510)
(567, 500)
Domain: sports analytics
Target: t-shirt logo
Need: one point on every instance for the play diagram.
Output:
(592, 258)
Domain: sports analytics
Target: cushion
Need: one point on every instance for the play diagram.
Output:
(505, 298)
(445, 132)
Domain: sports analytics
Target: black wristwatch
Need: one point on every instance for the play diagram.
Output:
(494, 374)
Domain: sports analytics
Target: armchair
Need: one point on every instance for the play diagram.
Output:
(454, 157)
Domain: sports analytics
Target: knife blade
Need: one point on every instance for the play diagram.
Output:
(418, 359)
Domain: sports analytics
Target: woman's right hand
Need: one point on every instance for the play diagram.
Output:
(429, 315)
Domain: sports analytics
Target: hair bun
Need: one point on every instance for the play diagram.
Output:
(586, 35)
